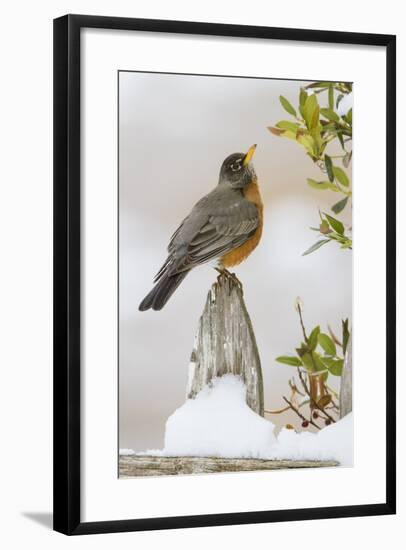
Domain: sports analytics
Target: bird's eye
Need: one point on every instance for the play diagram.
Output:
(235, 166)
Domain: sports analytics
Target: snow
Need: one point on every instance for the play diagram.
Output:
(334, 442)
(126, 452)
(219, 423)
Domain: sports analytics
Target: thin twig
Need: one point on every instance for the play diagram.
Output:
(334, 405)
(306, 389)
(299, 309)
(294, 388)
(323, 411)
(300, 414)
(334, 337)
(332, 391)
(277, 411)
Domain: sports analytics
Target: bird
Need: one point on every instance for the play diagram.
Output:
(225, 226)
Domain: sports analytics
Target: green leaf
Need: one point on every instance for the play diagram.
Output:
(289, 360)
(327, 344)
(302, 100)
(290, 135)
(348, 117)
(347, 159)
(321, 185)
(335, 366)
(307, 142)
(302, 97)
(314, 123)
(316, 246)
(328, 125)
(287, 106)
(336, 237)
(329, 167)
(341, 176)
(321, 84)
(286, 125)
(311, 111)
(339, 98)
(341, 140)
(346, 244)
(335, 224)
(340, 205)
(331, 97)
(302, 350)
(319, 366)
(330, 114)
(313, 338)
(308, 361)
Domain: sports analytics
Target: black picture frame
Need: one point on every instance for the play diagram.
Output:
(67, 288)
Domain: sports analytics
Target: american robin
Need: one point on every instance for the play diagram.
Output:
(225, 225)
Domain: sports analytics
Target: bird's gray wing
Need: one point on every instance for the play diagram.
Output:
(211, 229)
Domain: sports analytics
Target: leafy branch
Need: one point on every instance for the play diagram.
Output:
(332, 230)
(317, 357)
(315, 127)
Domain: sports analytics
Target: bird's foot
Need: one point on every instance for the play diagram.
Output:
(228, 275)
(237, 281)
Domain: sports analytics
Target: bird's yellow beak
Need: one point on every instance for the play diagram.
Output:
(249, 155)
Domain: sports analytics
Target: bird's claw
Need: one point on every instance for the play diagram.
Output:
(230, 276)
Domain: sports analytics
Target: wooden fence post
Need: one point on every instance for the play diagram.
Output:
(225, 343)
(346, 382)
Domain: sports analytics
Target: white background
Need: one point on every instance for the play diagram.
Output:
(26, 293)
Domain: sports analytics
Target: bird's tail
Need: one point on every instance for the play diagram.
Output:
(162, 291)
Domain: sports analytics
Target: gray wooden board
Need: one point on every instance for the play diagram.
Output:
(136, 466)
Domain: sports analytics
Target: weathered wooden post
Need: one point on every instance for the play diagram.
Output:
(346, 382)
(225, 343)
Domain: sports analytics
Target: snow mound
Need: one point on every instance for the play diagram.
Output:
(335, 442)
(218, 422)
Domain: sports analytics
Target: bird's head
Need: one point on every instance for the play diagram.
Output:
(237, 170)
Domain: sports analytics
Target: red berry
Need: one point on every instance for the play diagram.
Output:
(315, 414)
(328, 422)
(305, 423)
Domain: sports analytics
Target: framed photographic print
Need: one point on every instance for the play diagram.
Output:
(224, 267)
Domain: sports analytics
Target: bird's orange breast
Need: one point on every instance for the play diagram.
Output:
(238, 255)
